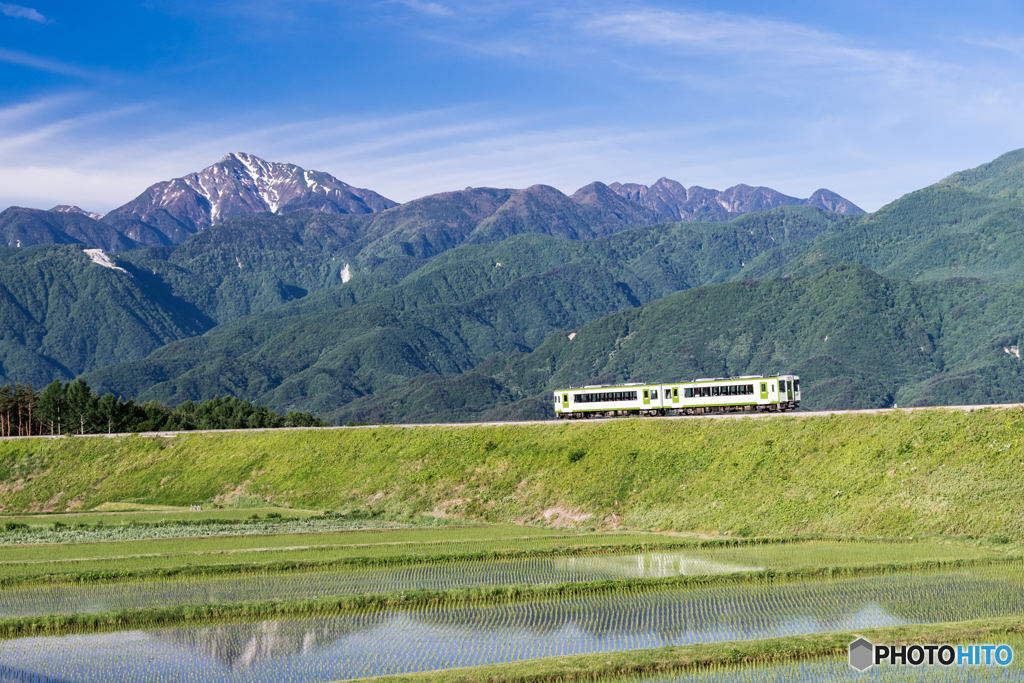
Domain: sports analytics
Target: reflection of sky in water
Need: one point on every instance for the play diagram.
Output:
(351, 646)
(67, 598)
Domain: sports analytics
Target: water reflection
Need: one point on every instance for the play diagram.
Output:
(648, 565)
(354, 646)
(71, 598)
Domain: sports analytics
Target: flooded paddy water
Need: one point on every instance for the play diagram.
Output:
(837, 670)
(441, 636)
(66, 598)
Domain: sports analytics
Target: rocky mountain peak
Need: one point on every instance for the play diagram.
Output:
(673, 200)
(240, 184)
(67, 208)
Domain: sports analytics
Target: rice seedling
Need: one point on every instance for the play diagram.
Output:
(67, 598)
(837, 670)
(419, 572)
(148, 557)
(441, 636)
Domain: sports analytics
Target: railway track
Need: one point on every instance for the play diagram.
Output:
(722, 416)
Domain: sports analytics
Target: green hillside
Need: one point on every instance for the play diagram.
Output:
(939, 232)
(369, 318)
(252, 264)
(903, 473)
(1002, 177)
(448, 316)
(62, 315)
(856, 338)
(29, 227)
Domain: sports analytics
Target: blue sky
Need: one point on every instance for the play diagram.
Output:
(411, 97)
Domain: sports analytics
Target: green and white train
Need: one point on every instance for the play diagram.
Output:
(699, 397)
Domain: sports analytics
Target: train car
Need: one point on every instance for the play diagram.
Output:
(699, 397)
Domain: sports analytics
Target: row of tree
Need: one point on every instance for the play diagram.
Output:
(72, 408)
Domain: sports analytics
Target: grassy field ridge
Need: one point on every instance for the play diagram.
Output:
(915, 473)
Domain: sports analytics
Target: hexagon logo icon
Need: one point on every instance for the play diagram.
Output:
(862, 654)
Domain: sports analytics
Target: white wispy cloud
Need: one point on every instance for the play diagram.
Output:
(711, 99)
(19, 12)
(431, 8)
(44, 64)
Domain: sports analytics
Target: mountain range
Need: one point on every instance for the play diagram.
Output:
(240, 184)
(675, 202)
(478, 303)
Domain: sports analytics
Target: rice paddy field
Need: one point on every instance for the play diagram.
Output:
(517, 553)
(834, 669)
(78, 597)
(606, 599)
(443, 636)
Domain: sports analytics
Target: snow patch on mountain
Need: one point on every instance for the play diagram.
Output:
(673, 200)
(241, 184)
(67, 208)
(99, 257)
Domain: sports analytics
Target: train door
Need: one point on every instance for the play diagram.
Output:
(789, 390)
(565, 401)
(675, 395)
(647, 397)
(764, 391)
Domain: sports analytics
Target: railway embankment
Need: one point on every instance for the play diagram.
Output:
(934, 472)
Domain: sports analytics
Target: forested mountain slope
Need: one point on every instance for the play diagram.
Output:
(63, 313)
(451, 314)
(856, 338)
(459, 305)
(21, 227)
(939, 232)
(1002, 177)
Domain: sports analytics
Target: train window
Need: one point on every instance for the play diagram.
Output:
(743, 390)
(796, 385)
(714, 391)
(688, 392)
(654, 394)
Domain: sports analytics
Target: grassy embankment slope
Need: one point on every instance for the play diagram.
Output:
(920, 473)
